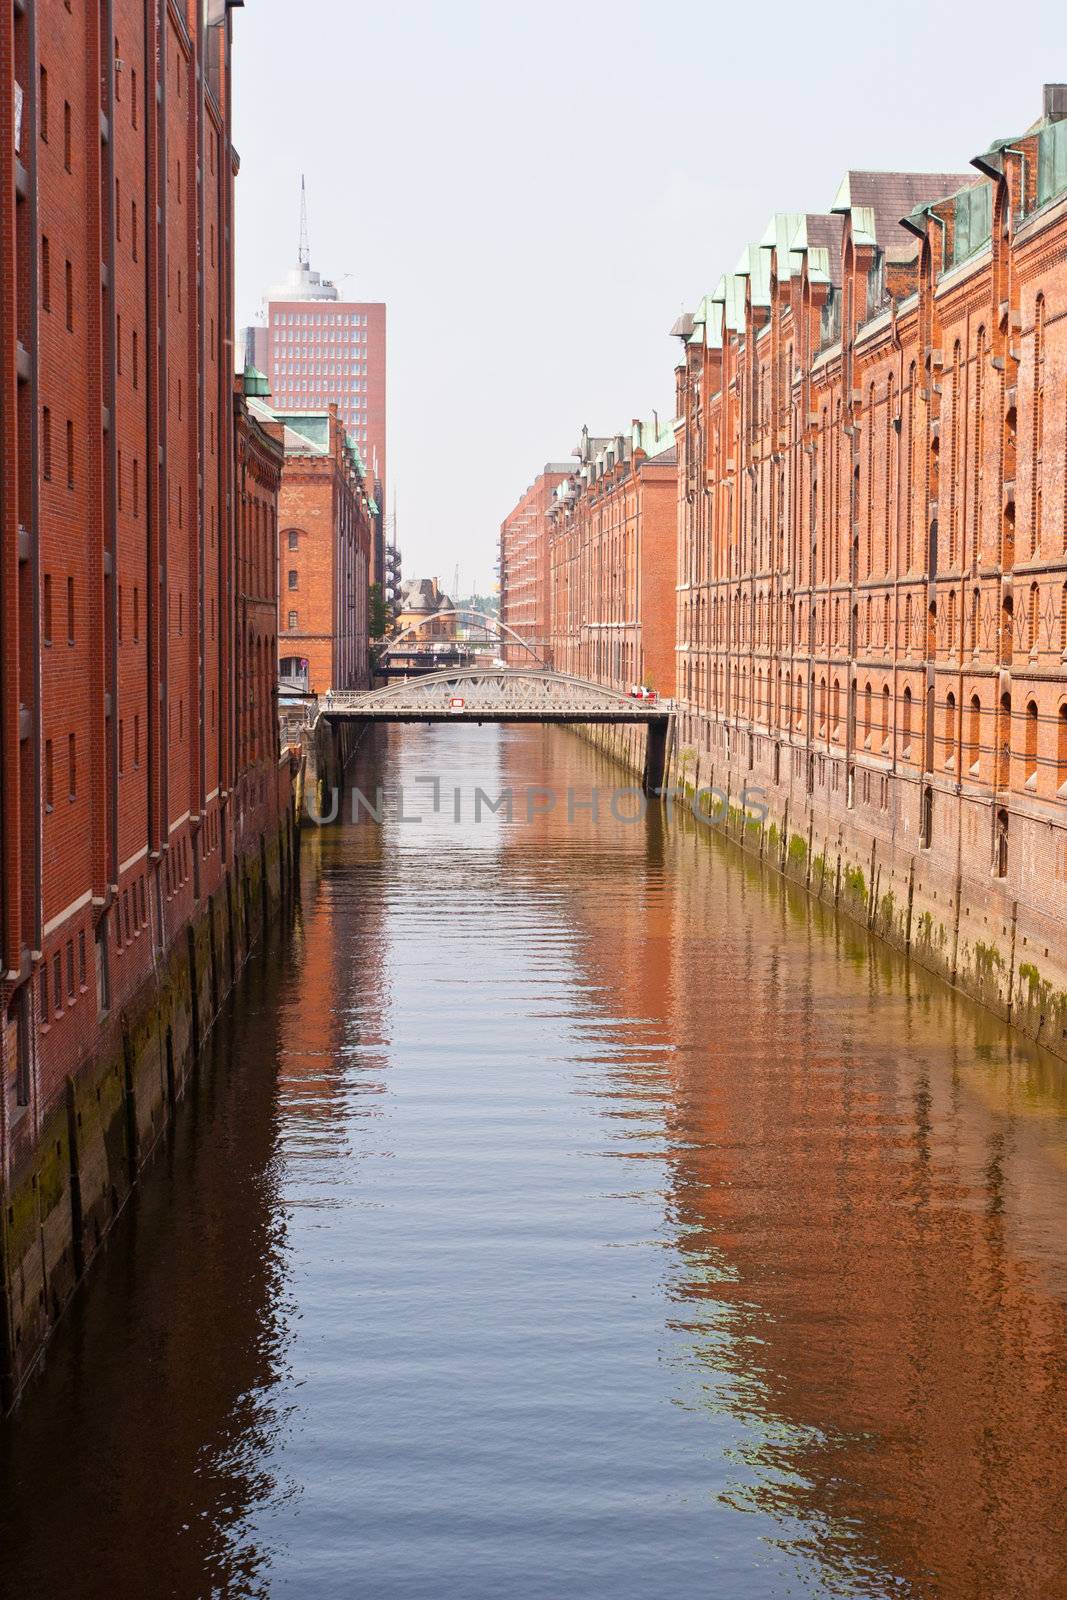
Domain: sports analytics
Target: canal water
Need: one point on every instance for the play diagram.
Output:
(567, 1208)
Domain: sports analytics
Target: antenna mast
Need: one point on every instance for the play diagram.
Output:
(304, 255)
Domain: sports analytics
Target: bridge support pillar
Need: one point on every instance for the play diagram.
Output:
(656, 755)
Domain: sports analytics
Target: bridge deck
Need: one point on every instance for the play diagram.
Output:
(478, 694)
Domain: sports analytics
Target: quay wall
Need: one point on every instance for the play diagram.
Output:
(62, 1197)
(1002, 950)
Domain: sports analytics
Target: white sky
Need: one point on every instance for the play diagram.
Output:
(537, 190)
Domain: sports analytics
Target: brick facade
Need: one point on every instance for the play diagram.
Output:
(138, 532)
(872, 596)
(612, 560)
(328, 521)
(525, 569)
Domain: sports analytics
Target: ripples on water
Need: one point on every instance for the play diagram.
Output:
(571, 1211)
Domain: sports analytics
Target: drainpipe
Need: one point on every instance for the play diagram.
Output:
(110, 461)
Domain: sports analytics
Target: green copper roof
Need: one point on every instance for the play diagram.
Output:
(255, 382)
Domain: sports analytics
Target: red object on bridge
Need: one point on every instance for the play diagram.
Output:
(456, 703)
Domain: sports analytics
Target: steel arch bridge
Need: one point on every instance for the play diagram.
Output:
(502, 630)
(507, 694)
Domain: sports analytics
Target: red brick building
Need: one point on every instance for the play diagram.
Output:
(327, 517)
(139, 767)
(872, 572)
(612, 553)
(525, 569)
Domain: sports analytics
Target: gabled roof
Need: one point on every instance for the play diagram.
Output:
(885, 197)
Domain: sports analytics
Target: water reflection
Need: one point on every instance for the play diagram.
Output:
(575, 1211)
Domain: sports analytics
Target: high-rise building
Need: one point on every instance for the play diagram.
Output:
(318, 349)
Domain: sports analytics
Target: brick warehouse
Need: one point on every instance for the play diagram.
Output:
(141, 791)
(612, 547)
(870, 621)
(872, 573)
(525, 573)
(327, 518)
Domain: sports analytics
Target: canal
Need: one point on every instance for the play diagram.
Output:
(567, 1208)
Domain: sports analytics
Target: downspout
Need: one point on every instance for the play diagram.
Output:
(30, 91)
(107, 220)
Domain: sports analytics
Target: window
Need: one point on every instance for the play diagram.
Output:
(69, 288)
(57, 983)
(70, 610)
(67, 136)
(46, 273)
(46, 443)
(46, 610)
(70, 969)
(294, 539)
(48, 775)
(70, 454)
(974, 737)
(293, 580)
(292, 619)
(133, 228)
(72, 766)
(1030, 761)
(42, 996)
(81, 959)
(135, 368)
(133, 98)
(42, 105)
(137, 740)
(122, 747)
(136, 615)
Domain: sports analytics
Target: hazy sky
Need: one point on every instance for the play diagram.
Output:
(536, 191)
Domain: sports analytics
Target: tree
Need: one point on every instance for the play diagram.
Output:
(377, 612)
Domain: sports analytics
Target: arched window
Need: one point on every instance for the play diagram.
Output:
(1007, 624)
(950, 730)
(835, 711)
(1032, 627)
(974, 738)
(1003, 750)
(1030, 745)
(867, 700)
(1061, 753)
(886, 728)
(905, 731)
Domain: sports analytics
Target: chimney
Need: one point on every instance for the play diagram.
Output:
(1055, 102)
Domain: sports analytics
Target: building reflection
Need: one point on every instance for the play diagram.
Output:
(192, 1283)
(865, 1180)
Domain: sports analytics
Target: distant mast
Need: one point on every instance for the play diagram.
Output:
(303, 254)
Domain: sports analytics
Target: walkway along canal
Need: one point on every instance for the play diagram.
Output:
(572, 1206)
